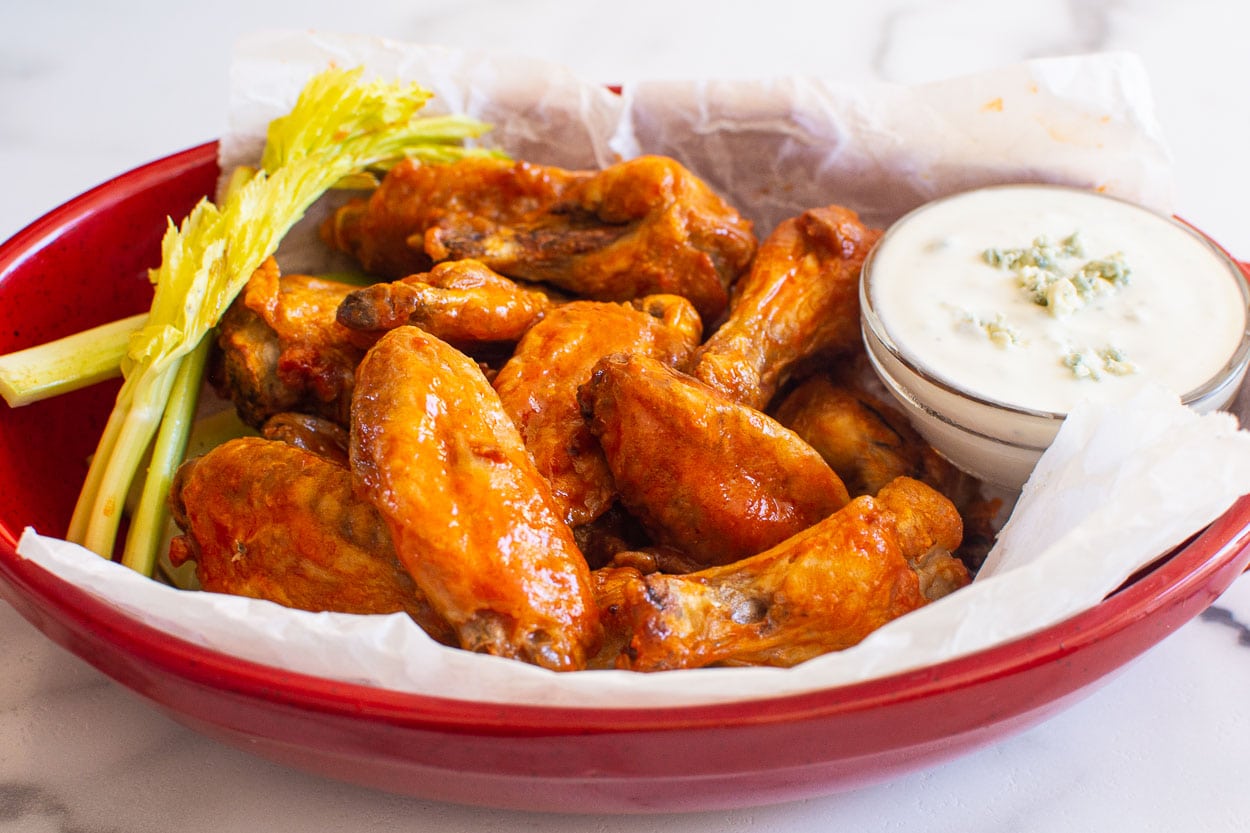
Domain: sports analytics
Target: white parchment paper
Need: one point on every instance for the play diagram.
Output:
(1122, 484)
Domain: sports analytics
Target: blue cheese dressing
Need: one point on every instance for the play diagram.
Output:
(1039, 296)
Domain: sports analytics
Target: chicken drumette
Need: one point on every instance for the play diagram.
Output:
(713, 479)
(869, 443)
(800, 299)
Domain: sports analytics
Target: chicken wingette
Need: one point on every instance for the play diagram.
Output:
(459, 301)
(822, 590)
(269, 520)
(640, 227)
(472, 519)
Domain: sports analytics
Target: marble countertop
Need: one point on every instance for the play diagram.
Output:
(88, 90)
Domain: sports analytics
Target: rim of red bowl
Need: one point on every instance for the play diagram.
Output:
(1182, 574)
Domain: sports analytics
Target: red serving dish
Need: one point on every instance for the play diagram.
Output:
(85, 263)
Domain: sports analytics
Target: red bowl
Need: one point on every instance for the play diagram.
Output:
(85, 263)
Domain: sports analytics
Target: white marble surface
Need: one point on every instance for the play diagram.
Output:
(88, 90)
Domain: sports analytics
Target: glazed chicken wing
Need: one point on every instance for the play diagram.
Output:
(460, 301)
(472, 520)
(280, 348)
(538, 386)
(800, 298)
(869, 443)
(714, 479)
(268, 520)
(822, 590)
(643, 226)
(386, 231)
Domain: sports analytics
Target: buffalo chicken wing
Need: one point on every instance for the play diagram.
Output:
(869, 443)
(268, 520)
(528, 395)
(800, 299)
(281, 349)
(713, 479)
(460, 301)
(640, 227)
(538, 386)
(472, 520)
(823, 589)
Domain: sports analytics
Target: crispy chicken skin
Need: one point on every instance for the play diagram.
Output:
(800, 298)
(472, 520)
(268, 520)
(714, 479)
(821, 590)
(538, 386)
(281, 349)
(460, 301)
(640, 227)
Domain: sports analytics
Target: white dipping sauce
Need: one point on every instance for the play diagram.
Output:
(1178, 318)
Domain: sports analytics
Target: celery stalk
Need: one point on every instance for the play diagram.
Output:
(66, 364)
(147, 525)
(131, 426)
(339, 127)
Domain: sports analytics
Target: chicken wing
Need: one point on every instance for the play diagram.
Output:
(799, 299)
(538, 386)
(822, 590)
(472, 520)
(386, 231)
(640, 227)
(460, 302)
(280, 348)
(714, 479)
(268, 520)
(869, 443)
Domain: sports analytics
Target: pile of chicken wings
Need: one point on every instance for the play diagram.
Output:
(583, 419)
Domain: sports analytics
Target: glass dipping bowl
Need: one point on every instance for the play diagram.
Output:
(997, 441)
